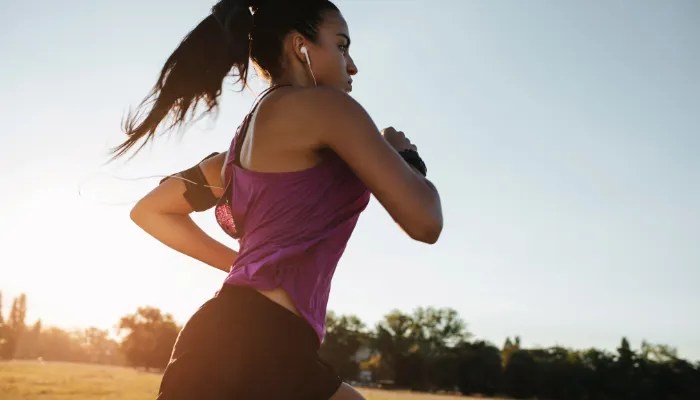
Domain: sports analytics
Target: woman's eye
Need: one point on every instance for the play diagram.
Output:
(343, 48)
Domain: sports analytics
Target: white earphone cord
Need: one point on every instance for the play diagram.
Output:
(165, 176)
(122, 203)
(308, 62)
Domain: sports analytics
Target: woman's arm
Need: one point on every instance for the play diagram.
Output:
(165, 214)
(341, 124)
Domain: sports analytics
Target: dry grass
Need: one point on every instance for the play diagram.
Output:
(21, 380)
(26, 380)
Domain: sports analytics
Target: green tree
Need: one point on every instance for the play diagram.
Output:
(99, 348)
(658, 352)
(438, 330)
(411, 346)
(150, 336)
(520, 376)
(479, 368)
(509, 347)
(15, 326)
(28, 345)
(345, 335)
(598, 376)
(625, 370)
(395, 339)
(3, 337)
(561, 373)
(56, 344)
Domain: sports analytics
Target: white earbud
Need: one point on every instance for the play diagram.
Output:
(305, 52)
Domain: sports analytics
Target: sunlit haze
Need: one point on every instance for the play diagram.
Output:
(563, 137)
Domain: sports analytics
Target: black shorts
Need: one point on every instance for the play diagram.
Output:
(242, 345)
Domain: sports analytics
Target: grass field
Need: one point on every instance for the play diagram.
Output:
(27, 380)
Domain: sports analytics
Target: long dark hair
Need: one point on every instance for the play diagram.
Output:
(222, 44)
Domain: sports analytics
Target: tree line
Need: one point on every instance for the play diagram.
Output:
(429, 349)
(18, 340)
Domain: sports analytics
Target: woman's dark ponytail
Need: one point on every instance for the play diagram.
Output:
(195, 71)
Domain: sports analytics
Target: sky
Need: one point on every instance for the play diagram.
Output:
(562, 136)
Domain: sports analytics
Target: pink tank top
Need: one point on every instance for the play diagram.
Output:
(292, 226)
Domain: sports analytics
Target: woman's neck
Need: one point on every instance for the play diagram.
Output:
(295, 77)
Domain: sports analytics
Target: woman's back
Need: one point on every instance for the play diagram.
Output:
(293, 224)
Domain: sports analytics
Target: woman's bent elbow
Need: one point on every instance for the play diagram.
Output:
(428, 233)
(137, 215)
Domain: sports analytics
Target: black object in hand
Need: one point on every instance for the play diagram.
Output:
(412, 158)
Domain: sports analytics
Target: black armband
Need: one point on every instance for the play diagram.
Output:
(197, 192)
(413, 159)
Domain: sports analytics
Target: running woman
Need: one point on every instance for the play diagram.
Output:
(299, 172)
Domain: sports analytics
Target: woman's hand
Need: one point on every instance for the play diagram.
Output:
(397, 139)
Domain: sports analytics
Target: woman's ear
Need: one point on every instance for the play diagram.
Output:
(298, 43)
